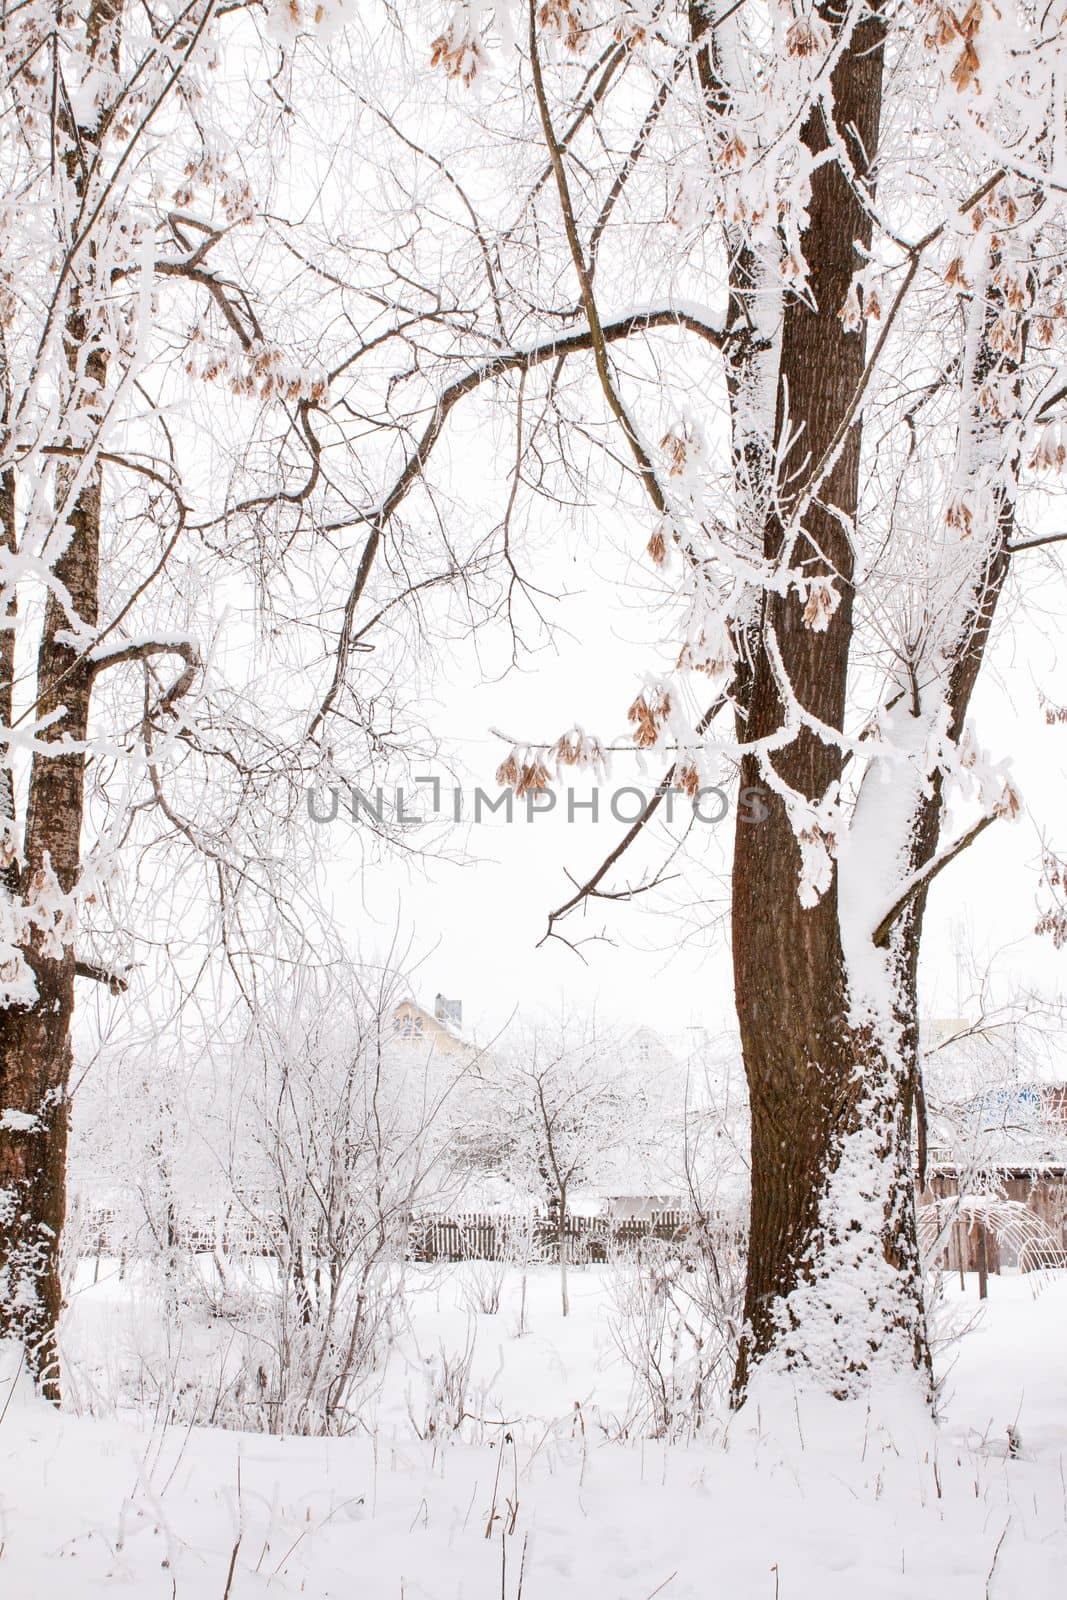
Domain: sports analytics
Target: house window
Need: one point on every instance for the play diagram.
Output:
(410, 1026)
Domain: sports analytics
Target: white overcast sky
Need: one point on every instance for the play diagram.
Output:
(474, 928)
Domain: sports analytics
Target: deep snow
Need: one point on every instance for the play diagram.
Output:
(789, 1500)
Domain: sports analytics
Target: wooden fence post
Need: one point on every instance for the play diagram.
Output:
(983, 1267)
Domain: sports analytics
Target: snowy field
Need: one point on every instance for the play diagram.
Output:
(534, 1495)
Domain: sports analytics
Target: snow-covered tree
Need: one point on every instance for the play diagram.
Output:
(335, 1137)
(773, 290)
(550, 1112)
(780, 285)
(86, 92)
(157, 727)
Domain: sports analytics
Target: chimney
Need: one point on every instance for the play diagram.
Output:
(450, 1012)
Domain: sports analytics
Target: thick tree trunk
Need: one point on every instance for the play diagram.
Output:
(34, 1073)
(35, 1047)
(832, 1082)
(817, 1077)
(35, 1039)
(9, 544)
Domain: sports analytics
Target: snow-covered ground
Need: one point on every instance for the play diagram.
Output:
(532, 1500)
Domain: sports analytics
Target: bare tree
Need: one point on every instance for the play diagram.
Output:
(152, 789)
(79, 101)
(776, 289)
(549, 1113)
(339, 1135)
(855, 449)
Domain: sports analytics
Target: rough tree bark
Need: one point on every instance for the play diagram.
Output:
(813, 1074)
(826, 980)
(35, 1048)
(35, 1039)
(801, 1050)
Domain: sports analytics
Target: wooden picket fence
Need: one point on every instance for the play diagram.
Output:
(467, 1236)
(485, 1236)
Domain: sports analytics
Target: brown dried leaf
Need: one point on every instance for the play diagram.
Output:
(676, 445)
(959, 516)
(648, 718)
(564, 17)
(821, 604)
(954, 274)
(534, 777)
(1009, 804)
(965, 72)
(803, 38)
(971, 20)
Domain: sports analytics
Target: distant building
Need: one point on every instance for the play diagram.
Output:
(449, 1012)
(994, 1131)
(436, 1031)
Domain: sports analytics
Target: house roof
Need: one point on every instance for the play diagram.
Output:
(439, 1024)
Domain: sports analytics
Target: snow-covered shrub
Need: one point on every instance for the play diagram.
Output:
(445, 1402)
(346, 1137)
(284, 1294)
(676, 1323)
(518, 1243)
(483, 1283)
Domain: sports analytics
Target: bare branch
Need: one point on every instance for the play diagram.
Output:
(590, 888)
(144, 650)
(925, 876)
(112, 980)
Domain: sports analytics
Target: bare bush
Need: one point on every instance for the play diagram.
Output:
(336, 1134)
(445, 1402)
(483, 1284)
(677, 1321)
